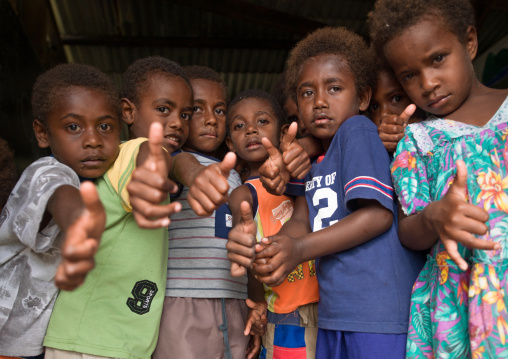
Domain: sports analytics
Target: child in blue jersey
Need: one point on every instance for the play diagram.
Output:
(349, 221)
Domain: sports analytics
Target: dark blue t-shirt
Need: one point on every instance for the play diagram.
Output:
(366, 288)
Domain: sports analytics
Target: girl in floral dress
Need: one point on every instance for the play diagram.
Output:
(450, 173)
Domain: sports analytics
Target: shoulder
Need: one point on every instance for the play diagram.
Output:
(47, 168)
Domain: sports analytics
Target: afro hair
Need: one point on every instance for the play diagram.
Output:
(138, 74)
(331, 41)
(391, 17)
(52, 85)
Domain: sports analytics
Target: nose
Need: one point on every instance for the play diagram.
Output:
(210, 119)
(428, 81)
(175, 122)
(251, 129)
(320, 100)
(92, 138)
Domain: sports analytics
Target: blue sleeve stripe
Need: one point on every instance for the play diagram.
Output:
(371, 183)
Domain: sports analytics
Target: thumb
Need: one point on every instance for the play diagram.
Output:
(155, 139)
(459, 183)
(246, 213)
(90, 197)
(289, 137)
(227, 164)
(273, 152)
(407, 113)
(250, 303)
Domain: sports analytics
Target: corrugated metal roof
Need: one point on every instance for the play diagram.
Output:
(246, 51)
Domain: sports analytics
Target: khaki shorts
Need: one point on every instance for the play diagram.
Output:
(52, 353)
(194, 328)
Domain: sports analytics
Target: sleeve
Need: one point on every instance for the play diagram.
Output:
(366, 166)
(295, 187)
(119, 174)
(28, 201)
(410, 176)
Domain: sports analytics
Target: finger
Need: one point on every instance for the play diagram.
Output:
(91, 197)
(289, 137)
(248, 326)
(227, 164)
(451, 248)
(237, 270)
(154, 212)
(79, 251)
(197, 207)
(407, 113)
(476, 243)
(458, 186)
(246, 213)
(301, 171)
(268, 170)
(273, 152)
(155, 142)
(146, 192)
(274, 279)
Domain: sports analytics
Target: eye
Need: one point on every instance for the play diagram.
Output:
(439, 58)
(335, 89)
(307, 93)
(238, 126)
(220, 111)
(186, 116)
(105, 127)
(197, 110)
(397, 98)
(162, 109)
(408, 77)
(73, 127)
(244, 170)
(263, 121)
(374, 107)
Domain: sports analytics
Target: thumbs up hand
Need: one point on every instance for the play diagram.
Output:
(457, 221)
(391, 128)
(273, 174)
(241, 242)
(209, 188)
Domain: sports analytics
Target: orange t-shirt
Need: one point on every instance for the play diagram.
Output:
(300, 286)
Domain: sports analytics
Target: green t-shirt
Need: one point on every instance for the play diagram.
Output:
(116, 312)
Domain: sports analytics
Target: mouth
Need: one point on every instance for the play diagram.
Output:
(253, 144)
(439, 101)
(93, 161)
(173, 139)
(210, 134)
(321, 119)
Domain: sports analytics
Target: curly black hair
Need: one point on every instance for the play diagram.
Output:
(195, 72)
(258, 94)
(52, 85)
(138, 74)
(391, 17)
(331, 41)
(8, 175)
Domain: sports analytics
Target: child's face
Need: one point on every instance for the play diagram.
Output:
(388, 98)
(291, 110)
(251, 120)
(327, 96)
(207, 128)
(164, 99)
(433, 66)
(83, 132)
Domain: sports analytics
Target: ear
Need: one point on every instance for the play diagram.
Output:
(229, 143)
(471, 42)
(41, 133)
(128, 111)
(365, 96)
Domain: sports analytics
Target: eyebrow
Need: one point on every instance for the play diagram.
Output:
(164, 100)
(202, 101)
(327, 81)
(262, 113)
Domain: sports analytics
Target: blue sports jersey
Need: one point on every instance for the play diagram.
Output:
(366, 288)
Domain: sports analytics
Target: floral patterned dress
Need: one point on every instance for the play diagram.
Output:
(456, 314)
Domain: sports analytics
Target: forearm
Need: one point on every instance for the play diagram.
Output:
(65, 206)
(185, 168)
(415, 231)
(357, 228)
(255, 289)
